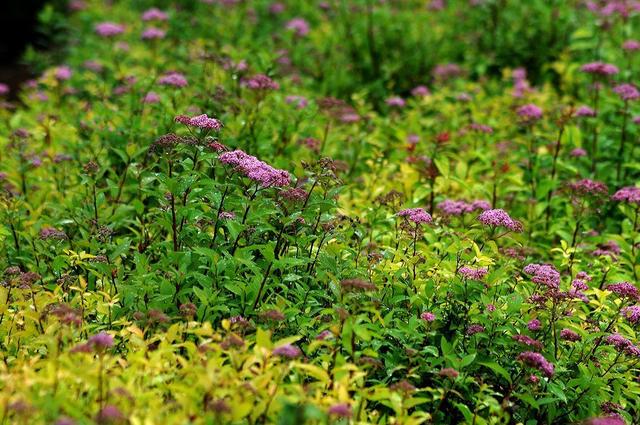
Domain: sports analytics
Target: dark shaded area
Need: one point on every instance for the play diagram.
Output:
(18, 29)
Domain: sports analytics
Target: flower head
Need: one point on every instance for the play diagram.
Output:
(544, 274)
(627, 92)
(630, 194)
(260, 82)
(154, 14)
(200, 121)
(536, 360)
(299, 26)
(584, 111)
(153, 33)
(416, 215)
(624, 290)
(288, 351)
(255, 169)
(420, 91)
(499, 218)
(428, 317)
(529, 112)
(599, 68)
(174, 79)
(396, 102)
(341, 410)
(471, 273)
(109, 29)
(63, 73)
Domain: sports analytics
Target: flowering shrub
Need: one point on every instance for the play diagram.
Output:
(290, 212)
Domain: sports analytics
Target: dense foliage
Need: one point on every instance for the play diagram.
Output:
(390, 212)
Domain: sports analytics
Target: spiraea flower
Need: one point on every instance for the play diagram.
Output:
(471, 273)
(631, 313)
(256, 170)
(630, 194)
(627, 92)
(631, 45)
(624, 290)
(340, 410)
(528, 341)
(569, 335)
(396, 102)
(201, 121)
(299, 26)
(543, 274)
(588, 187)
(534, 325)
(260, 82)
(584, 111)
(420, 91)
(289, 351)
(153, 33)
(537, 361)
(349, 285)
(154, 14)
(428, 317)
(63, 73)
(599, 68)
(416, 215)
(529, 113)
(474, 329)
(499, 218)
(109, 29)
(174, 79)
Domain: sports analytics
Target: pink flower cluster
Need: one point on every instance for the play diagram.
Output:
(109, 29)
(416, 215)
(624, 290)
(528, 341)
(499, 218)
(599, 68)
(537, 360)
(588, 187)
(543, 274)
(260, 82)
(299, 26)
(174, 79)
(153, 33)
(529, 112)
(627, 92)
(623, 345)
(255, 169)
(200, 121)
(569, 335)
(630, 194)
(584, 111)
(631, 313)
(154, 14)
(471, 273)
(288, 351)
(453, 207)
(396, 102)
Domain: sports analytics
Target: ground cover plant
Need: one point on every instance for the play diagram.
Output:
(389, 212)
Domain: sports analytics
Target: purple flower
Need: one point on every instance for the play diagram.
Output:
(452, 207)
(605, 420)
(341, 410)
(260, 82)
(288, 351)
(325, 334)
(630, 194)
(623, 345)
(51, 233)
(299, 101)
(578, 152)
(534, 325)
(174, 79)
(63, 73)
(474, 329)
(153, 33)
(299, 26)
(537, 360)
(588, 187)
(631, 45)
(499, 218)
(101, 341)
(528, 341)
(624, 290)
(226, 215)
(471, 273)
(420, 91)
(449, 372)
(255, 169)
(631, 313)
(396, 102)
(4, 89)
(109, 414)
(544, 274)
(428, 317)
(569, 335)
(109, 29)
(599, 68)
(151, 97)
(627, 92)
(94, 66)
(584, 111)
(154, 14)
(445, 71)
(416, 215)
(529, 112)
(200, 121)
